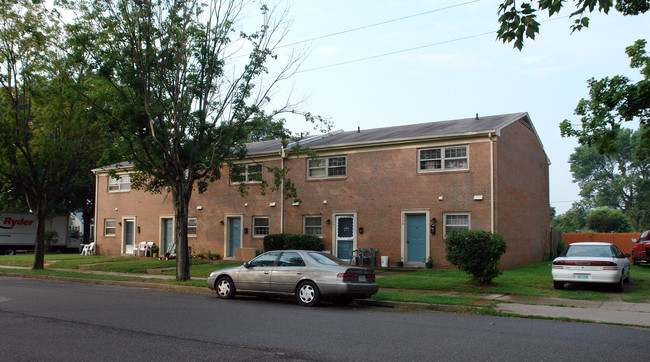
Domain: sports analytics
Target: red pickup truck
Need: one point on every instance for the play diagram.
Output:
(641, 251)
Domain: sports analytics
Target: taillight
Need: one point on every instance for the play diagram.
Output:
(347, 275)
(607, 265)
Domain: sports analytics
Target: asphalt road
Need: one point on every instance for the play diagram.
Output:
(46, 320)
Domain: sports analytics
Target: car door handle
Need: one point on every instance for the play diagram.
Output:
(298, 273)
(267, 272)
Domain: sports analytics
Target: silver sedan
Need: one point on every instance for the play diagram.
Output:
(307, 275)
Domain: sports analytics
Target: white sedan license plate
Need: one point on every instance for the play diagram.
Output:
(362, 278)
(582, 276)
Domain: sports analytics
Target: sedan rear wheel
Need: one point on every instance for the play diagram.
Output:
(225, 288)
(558, 285)
(308, 294)
(619, 286)
(634, 261)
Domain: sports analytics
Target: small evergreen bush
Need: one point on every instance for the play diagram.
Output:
(293, 241)
(476, 252)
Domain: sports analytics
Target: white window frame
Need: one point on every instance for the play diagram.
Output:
(324, 165)
(305, 226)
(256, 228)
(120, 184)
(192, 229)
(106, 227)
(446, 224)
(444, 159)
(246, 174)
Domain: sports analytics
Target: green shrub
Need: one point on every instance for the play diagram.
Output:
(476, 252)
(293, 241)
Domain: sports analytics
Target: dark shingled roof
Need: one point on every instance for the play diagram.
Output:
(464, 126)
(460, 127)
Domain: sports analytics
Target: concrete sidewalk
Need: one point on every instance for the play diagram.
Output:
(635, 314)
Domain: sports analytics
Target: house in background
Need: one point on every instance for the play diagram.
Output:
(397, 189)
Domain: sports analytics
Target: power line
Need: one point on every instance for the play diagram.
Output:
(411, 49)
(378, 24)
(397, 52)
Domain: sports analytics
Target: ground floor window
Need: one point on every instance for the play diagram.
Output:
(313, 225)
(109, 227)
(261, 226)
(456, 221)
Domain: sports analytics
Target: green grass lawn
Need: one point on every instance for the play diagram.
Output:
(529, 280)
(204, 270)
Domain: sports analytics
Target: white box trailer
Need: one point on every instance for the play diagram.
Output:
(18, 232)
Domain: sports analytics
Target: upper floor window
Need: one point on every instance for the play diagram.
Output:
(191, 226)
(261, 226)
(313, 225)
(443, 158)
(327, 167)
(246, 173)
(459, 221)
(122, 183)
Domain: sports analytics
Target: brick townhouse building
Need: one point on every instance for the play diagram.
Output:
(396, 189)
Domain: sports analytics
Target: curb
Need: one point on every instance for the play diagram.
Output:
(125, 283)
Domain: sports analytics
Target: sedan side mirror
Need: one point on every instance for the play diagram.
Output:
(247, 265)
(627, 255)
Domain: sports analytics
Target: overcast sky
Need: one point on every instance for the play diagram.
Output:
(446, 64)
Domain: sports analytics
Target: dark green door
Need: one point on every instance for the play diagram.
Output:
(167, 245)
(234, 235)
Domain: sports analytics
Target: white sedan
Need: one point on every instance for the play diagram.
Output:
(591, 263)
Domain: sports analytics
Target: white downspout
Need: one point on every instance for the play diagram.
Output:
(491, 182)
(282, 155)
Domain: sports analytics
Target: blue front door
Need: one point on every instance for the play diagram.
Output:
(234, 235)
(416, 237)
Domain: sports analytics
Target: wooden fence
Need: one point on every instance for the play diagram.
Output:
(622, 240)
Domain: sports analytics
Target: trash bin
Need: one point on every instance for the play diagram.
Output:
(384, 261)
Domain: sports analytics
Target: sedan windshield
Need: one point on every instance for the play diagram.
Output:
(327, 259)
(602, 251)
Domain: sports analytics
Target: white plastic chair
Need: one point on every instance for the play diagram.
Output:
(88, 249)
(141, 249)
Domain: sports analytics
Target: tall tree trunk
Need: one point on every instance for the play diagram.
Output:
(87, 214)
(39, 254)
(181, 206)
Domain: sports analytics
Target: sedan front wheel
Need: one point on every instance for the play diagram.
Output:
(308, 294)
(225, 288)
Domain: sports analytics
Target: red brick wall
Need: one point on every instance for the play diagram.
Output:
(622, 240)
(522, 196)
(380, 185)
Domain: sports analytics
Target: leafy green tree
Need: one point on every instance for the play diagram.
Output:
(572, 221)
(44, 126)
(619, 181)
(614, 101)
(606, 220)
(476, 252)
(183, 102)
(518, 22)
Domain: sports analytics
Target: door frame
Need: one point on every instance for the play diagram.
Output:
(335, 215)
(135, 228)
(226, 234)
(427, 217)
(161, 231)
